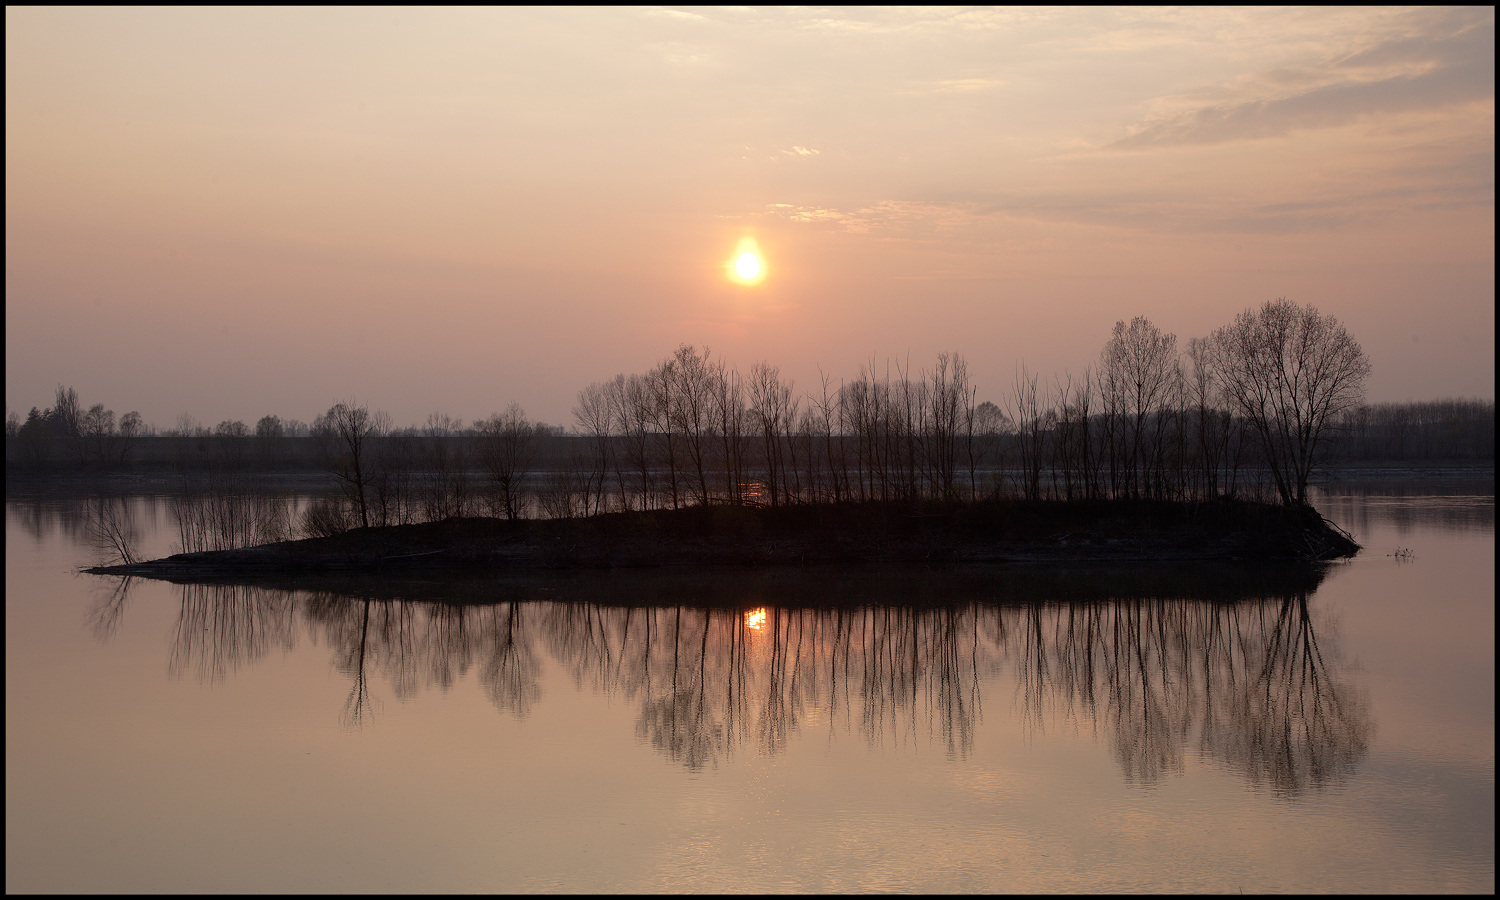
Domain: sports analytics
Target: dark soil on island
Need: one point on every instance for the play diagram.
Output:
(864, 533)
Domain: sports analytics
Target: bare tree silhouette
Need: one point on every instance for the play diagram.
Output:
(352, 430)
(1290, 372)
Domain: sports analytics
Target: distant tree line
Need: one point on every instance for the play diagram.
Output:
(1428, 430)
(67, 430)
(1252, 409)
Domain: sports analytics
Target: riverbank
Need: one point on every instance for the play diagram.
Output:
(866, 533)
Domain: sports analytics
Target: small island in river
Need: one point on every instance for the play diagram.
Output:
(921, 532)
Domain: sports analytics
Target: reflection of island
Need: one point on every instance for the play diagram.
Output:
(1241, 677)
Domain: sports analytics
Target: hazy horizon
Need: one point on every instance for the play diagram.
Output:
(240, 212)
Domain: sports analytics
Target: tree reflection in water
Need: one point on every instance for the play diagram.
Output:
(1244, 681)
(223, 627)
(1250, 679)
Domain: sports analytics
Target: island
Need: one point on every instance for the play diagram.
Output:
(904, 533)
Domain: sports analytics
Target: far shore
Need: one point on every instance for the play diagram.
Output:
(22, 482)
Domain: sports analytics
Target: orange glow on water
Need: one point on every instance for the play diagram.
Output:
(756, 619)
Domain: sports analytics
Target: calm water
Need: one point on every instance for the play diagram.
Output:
(1153, 728)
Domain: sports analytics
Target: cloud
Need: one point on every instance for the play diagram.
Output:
(679, 14)
(887, 218)
(957, 86)
(1402, 74)
(1184, 213)
(801, 151)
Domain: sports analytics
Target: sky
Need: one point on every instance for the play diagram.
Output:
(239, 212)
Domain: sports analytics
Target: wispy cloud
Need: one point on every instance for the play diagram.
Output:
(956, 86)
(1398, 74)
(678, 14)
(886, 218)
(1182, 213)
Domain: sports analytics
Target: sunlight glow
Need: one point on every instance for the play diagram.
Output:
(747, 265)
(756, 619)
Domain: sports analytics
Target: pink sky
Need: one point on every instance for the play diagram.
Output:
(235, 212)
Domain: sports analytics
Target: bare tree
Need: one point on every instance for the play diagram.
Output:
(859, 411)
(775, 413)
(269, 438)
(901, 405)
(97, 431)
(1289, 371)
(509, 452)
(633, 401)
(351, 429)
(446, 490)
(1034, 418)
(984, 423)
(396, 488)
(809, 461)
(67, 412)
(949, 419)
(562, 493)
(1211, 423)
(1138, 374)
(187, 426)
(1070, 443)
(594, 418)
(828, 414)
(269, 428)
(692, 412)
(440, 424)
(131, 428)
(731, 423)
(662, 387)
(112, 531)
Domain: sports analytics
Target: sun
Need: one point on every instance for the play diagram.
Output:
(747, 265)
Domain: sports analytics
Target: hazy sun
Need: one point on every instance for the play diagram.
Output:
(747, 265)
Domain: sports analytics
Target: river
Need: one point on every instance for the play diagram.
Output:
(1148, 728)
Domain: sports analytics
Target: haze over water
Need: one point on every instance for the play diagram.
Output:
(972, 729)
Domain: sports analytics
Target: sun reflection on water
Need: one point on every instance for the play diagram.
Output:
(756, 619)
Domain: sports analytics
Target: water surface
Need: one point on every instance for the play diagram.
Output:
(1154, 728)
